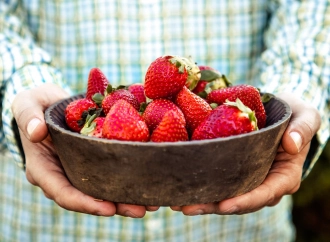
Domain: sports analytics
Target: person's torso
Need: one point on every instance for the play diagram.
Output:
(123, 37)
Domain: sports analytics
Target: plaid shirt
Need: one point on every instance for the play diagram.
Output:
(274, 45)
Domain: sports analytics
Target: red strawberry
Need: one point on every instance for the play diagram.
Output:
(200, 87)
(231, 118)
(117, 94)
(211, 79)
(93, 126)
(249, 95)
(194, 108)
(137, 89)
(171, 129)
(167, 75)
(97, 83)
(156, 109)
(123, 122)
(77, 111)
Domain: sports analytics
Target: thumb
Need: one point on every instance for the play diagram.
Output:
(304, 124)
(28, 109)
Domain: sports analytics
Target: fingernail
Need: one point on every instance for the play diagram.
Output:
(33, 125)
(130, 214)
(196, 212)
(231, 210)
(296, 139)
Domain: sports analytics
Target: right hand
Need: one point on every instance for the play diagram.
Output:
(43, 167)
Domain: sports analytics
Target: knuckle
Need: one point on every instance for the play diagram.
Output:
(60, 197)
(275, 202)
(16, 106)
(271, 196)
(47, 195)
(295, 188)
(313, 122)
(29, 177)
(271, 199)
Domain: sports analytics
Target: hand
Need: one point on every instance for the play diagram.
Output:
(284, 177)
(43, 167)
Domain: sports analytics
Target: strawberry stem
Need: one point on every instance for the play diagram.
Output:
(209, 75)
(214, 105)
(244, 109)
(98, 98)
(89, 126)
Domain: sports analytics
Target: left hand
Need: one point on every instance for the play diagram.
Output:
(284, 177)
(43, 167)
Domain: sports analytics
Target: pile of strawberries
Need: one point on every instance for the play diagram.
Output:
(179, 101)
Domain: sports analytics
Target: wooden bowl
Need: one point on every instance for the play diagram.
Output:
(167, 174)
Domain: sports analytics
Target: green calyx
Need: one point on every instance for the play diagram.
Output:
(98, 97)
(209, 75)
(178, 64)
(245, 110)
(266, 97)
(215, 81)
(86, 116)
(89, 125)
(214, 105)
(143, 107)
(183, 63)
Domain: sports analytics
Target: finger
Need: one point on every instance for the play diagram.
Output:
(152, 208)
(176, 208)
(284, 178)
(199, 209)
(133, 211)
(215, 208)
(248, 203)
(44, 170)
(304, 123)
(28, 108)
(59, 189)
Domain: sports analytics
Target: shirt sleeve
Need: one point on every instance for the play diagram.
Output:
(297, 59)
(23, 65)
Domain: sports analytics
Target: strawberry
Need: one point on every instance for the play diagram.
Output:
(97, 83)
(167, 75)
(137, 89)
(231, 118)
(200, 87)
(170, 129)
(123, 122)
(77, 111)
(112, 95)
(93, 126)
(211, 79)
(194, 108)
(249, 95)
(156, 109)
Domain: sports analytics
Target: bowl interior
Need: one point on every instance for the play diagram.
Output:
(277, 111)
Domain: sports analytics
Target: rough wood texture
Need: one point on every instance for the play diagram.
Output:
(166, 174)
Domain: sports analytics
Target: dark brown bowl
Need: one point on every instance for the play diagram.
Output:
(166, 174)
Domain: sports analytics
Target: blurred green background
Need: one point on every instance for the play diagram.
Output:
(311, 207)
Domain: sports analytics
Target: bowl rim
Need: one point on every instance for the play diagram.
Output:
(49, 121)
